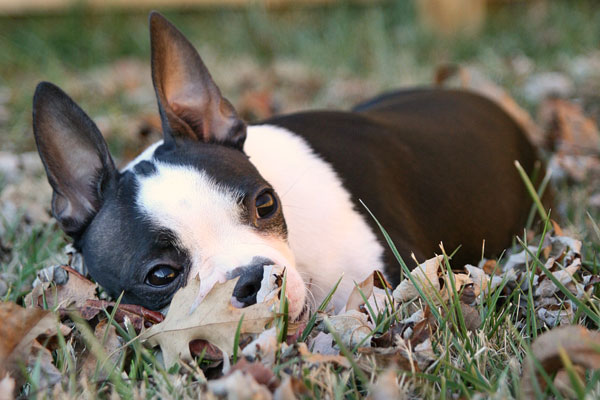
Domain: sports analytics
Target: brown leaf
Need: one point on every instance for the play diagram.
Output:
(386, 387)
(425, 276)
(112, 345)
(290, 388)
(139, 316)
(580, 344)
(214, 320)
(355, 300)
(49, 375)
(386, 357)
(471, 317)
(568, 129)
(313, 358)
(64, 298)
(261, 374)
(18, 330)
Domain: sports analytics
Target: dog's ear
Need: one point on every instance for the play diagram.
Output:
(190, 103)
(76, 158)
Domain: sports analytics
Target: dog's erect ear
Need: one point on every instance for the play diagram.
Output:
(190, 103)
(76, 158)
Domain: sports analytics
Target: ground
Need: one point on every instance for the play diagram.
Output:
(271, 61)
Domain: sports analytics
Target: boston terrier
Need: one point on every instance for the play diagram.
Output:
(217, 198)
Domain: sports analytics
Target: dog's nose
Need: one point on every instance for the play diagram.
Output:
(248, 285)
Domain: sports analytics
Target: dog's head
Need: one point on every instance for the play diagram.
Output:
(192, 205)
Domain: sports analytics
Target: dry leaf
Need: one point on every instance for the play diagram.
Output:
(426, 276)
(355, 300)
(138, 316)
(18, 330)
(214, 320)
(313, 358)
(7, 388)
(49, 375)
(239, 386)
(290, 389)
(63, 297)
(579, 343)
(352, 327)
(471, 317)
(391, 357)
(263, 348)
(386, 387)
(111, 343)
(261, 374)
(480, 280)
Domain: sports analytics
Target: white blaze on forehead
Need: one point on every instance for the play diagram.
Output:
(205, 217)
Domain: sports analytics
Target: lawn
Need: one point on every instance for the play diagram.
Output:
(270, 61)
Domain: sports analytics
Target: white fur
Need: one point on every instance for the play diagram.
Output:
(326, 233)
(327, 237)
(205, 217)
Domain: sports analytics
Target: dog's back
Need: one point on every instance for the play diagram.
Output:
(432, 165)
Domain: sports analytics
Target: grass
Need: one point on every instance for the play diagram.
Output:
(380, 46)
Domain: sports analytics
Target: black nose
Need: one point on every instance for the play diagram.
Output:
(249, 284)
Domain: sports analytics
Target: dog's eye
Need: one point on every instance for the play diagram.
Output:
(266, 204)
(162, 275)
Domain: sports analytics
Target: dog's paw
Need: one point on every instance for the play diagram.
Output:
(54, 273)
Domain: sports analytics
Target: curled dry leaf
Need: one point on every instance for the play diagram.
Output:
(263, 348)
(214, 320)
(313, 358)
(580, 344)
(112, 345)
(261, 374)
(73, 293)
(386, 387)
(138, 316)
(352, 327)
(425, 276)
(480, 280)
(290, 388)
(471, 317)
(392, 357)
(7, 387)
(18, 330)
(239, 385)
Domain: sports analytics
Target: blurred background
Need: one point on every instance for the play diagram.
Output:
(540, 57)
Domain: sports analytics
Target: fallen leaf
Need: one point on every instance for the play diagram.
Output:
(7, 387)
(471, 317)
(389, 357)
(579, 343)
(239, 386)
(139, 316)
(352, 327)
(261, 374)
(290, 389)
(386, 387)
(263, 348)
(214, 320)
(112, 345)
(40, 357)
(72, 294)
(315, 358)
(568, 129)
(426, 277)
(355, 300)
(18, 330)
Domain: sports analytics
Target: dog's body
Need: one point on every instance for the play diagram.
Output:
(217, 200)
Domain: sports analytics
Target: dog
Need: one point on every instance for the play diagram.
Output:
(218, 199)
